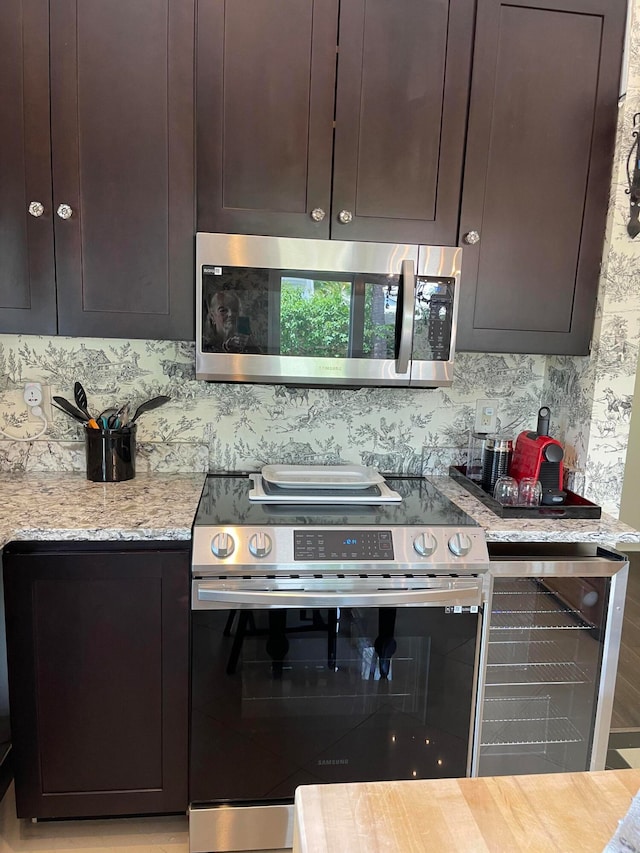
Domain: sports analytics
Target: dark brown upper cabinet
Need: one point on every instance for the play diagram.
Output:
(542, 125)
(97, 106)
(275, 76)
(27, 270)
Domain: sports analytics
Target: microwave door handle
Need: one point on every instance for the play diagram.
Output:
(408, 276)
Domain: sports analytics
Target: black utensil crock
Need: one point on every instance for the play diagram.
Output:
(111, 454)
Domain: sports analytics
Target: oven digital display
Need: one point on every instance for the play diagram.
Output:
(342, 545)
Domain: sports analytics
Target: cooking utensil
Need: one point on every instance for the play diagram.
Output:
(153, 403)
(80, 396)
(67, 407)
(105, 414)
(120, 418)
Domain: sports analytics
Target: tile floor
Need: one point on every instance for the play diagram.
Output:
(624, 749)
(130, 835)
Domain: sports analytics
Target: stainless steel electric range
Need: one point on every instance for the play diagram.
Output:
(330, 643)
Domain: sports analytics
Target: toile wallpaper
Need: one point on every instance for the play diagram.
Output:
(219, 427)
(592, 397)
(229, 427)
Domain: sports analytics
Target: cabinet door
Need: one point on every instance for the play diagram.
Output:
(27, 277)
(98, 646)
(122, 149)
(265, 92)
(401, 108)
(539, 153)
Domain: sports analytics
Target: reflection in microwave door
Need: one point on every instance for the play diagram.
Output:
(235, 320)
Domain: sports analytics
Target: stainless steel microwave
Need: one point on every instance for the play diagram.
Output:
(325, 312)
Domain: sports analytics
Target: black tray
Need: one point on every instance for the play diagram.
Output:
(575, 506)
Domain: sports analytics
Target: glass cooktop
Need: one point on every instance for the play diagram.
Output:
(225, 501)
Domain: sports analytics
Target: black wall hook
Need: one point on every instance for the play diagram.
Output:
(633, 179)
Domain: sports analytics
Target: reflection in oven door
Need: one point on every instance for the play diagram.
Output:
(284, 697)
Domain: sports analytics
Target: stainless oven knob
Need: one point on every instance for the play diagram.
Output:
(222, 545)
(425, 544)
(460, 544)
(260, 544)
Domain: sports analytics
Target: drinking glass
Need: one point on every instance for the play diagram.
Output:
(505, 491)
(529, 492)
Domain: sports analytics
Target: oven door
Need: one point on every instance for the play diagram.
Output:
(294, 683)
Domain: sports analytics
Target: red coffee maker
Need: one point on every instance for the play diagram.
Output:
(538, 455)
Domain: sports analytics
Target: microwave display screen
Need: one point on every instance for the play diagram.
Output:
(433, 318)
(320, 314)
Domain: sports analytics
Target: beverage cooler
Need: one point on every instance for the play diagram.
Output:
(549, 658)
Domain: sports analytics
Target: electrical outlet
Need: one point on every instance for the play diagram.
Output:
(486, 416)
(36, 394)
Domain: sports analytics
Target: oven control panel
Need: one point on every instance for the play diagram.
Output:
(244, 548)
(325, 545)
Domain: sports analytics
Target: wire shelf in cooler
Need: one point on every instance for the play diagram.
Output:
(538, 620)
(535, 602)
(517, 586)
(538, 731)
(525, 651)
(567, 672)
(510, 708)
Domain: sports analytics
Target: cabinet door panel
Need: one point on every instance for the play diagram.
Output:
(403, 77)
(87, 743)
(98, 645)
(265, 84)
(122, 137)
(27, 276)
(539, 153)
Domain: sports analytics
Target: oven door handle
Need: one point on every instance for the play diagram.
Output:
(406, 320)
(464, 596)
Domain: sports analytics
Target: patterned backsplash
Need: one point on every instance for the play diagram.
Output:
(229, 427)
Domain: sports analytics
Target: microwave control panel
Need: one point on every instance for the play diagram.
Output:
(433, 318)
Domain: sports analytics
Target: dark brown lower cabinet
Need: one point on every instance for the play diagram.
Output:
(98, 656)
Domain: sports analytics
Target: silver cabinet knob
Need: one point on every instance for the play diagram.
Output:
(471, 238)
(318, 214)
(222, 545)
(36, 208)
(345, 216)
(425, 544)
(65, 211)
(460, 544)
(260, 544)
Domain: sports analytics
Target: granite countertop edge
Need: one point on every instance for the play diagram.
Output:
(68, 507)
(606, 530)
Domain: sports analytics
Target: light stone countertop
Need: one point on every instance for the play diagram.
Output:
(59, 506)
(605, 530)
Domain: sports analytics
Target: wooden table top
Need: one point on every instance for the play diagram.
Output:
(500, 814)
